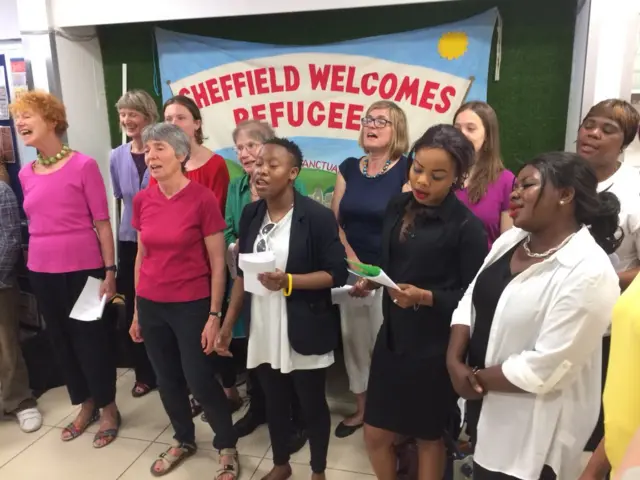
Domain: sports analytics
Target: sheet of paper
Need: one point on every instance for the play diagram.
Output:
(381, 279)
(253, 264)
(89, 306)
(340, 296)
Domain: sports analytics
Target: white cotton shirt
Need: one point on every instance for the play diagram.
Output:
(547, 335)
(625, 184)
(269, 330)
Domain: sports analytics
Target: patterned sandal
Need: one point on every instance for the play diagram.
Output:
(170, 461)
(232, 468)
(108, 435)
(74, 432)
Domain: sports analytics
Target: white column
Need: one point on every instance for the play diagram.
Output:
(68, 63)
(606, 42)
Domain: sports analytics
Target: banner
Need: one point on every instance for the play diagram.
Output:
(316, 95)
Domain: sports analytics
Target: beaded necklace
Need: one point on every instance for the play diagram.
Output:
(365, 167)
(56, 158)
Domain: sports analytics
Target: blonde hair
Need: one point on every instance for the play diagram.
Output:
(399, 144)
(255, 129)
(50, 108)
(141, 102)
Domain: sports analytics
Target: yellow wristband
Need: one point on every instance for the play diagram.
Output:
(287, 291)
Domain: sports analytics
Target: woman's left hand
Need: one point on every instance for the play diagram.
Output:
(108, 286)
(273, 281)
(407, 296)
(210, 334)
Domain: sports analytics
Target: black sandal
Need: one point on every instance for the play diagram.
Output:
(196, 408)
(140, 390)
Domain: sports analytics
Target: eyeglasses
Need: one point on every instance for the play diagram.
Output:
(264, 236)
(249, 147)
(377, 122)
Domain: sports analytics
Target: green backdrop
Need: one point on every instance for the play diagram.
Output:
(531, 97)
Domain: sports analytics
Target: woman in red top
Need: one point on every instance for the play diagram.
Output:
(180, 281)
(202, 166)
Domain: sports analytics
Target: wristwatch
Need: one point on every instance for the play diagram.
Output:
(111, 268)
(215, 314)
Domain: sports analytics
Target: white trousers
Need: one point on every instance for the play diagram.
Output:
(360, 326)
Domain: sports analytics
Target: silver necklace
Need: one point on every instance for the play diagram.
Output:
(551, 251)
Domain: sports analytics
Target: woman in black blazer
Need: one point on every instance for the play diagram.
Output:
(293, 329)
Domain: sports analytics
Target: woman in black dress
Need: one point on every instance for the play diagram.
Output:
(432, 247)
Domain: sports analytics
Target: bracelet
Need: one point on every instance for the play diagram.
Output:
(287, 291)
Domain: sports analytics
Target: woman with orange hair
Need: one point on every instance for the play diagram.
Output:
(70, 241)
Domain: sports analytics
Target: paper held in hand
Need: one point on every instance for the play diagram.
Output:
(89, 306)
(251, 265)
(373, 273)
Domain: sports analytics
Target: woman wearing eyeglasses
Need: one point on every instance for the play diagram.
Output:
(293, 330)
(248, 137)
(364, 187)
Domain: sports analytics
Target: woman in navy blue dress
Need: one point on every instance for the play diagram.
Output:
(363, 189)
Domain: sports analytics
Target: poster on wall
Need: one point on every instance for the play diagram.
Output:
(316, 95)
(18, 77)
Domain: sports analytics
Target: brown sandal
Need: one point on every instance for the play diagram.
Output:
(232, 468)
(170, 461)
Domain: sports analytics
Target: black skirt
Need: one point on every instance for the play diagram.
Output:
(408, 395)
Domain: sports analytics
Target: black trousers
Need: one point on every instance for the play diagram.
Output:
(480, 473)
(83, 349)
(172, 333)
(598, 431)
(310, 388)
(126, 286)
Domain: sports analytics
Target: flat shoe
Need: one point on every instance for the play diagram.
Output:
(344, 431)
(108, 435)
(75, 432)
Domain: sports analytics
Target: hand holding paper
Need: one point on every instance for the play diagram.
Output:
(253, 264)
(372, 273)
(90, 305)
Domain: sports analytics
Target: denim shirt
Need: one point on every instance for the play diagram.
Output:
(126, 184)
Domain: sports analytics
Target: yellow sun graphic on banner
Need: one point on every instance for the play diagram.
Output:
(453, 45)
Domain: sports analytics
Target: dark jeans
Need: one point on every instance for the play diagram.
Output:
(172, 333)
(126, 286)
(309, 387)
(229, 366)
(83, 349)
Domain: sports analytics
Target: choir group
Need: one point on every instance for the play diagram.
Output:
(506, 288)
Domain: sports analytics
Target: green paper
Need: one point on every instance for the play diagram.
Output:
(364, 269)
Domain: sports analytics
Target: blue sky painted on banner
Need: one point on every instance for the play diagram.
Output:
(182, 55)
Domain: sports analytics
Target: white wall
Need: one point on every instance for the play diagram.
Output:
(67, 13)
(606, 42)
(9, 20)
(83, 93)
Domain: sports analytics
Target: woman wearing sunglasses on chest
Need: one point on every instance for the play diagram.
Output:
(294, 329)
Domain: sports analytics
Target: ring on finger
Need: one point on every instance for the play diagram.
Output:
(395, 300)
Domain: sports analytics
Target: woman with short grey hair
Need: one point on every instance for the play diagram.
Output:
(180, 281)
(129, 175)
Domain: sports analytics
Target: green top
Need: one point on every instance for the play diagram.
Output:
(238, 197)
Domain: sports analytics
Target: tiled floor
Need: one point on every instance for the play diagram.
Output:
(145, 433)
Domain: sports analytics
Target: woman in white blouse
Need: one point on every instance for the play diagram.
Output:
(293, 326)
(525, 348)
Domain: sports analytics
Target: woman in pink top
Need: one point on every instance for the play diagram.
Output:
(487, 188)
(70, 240)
